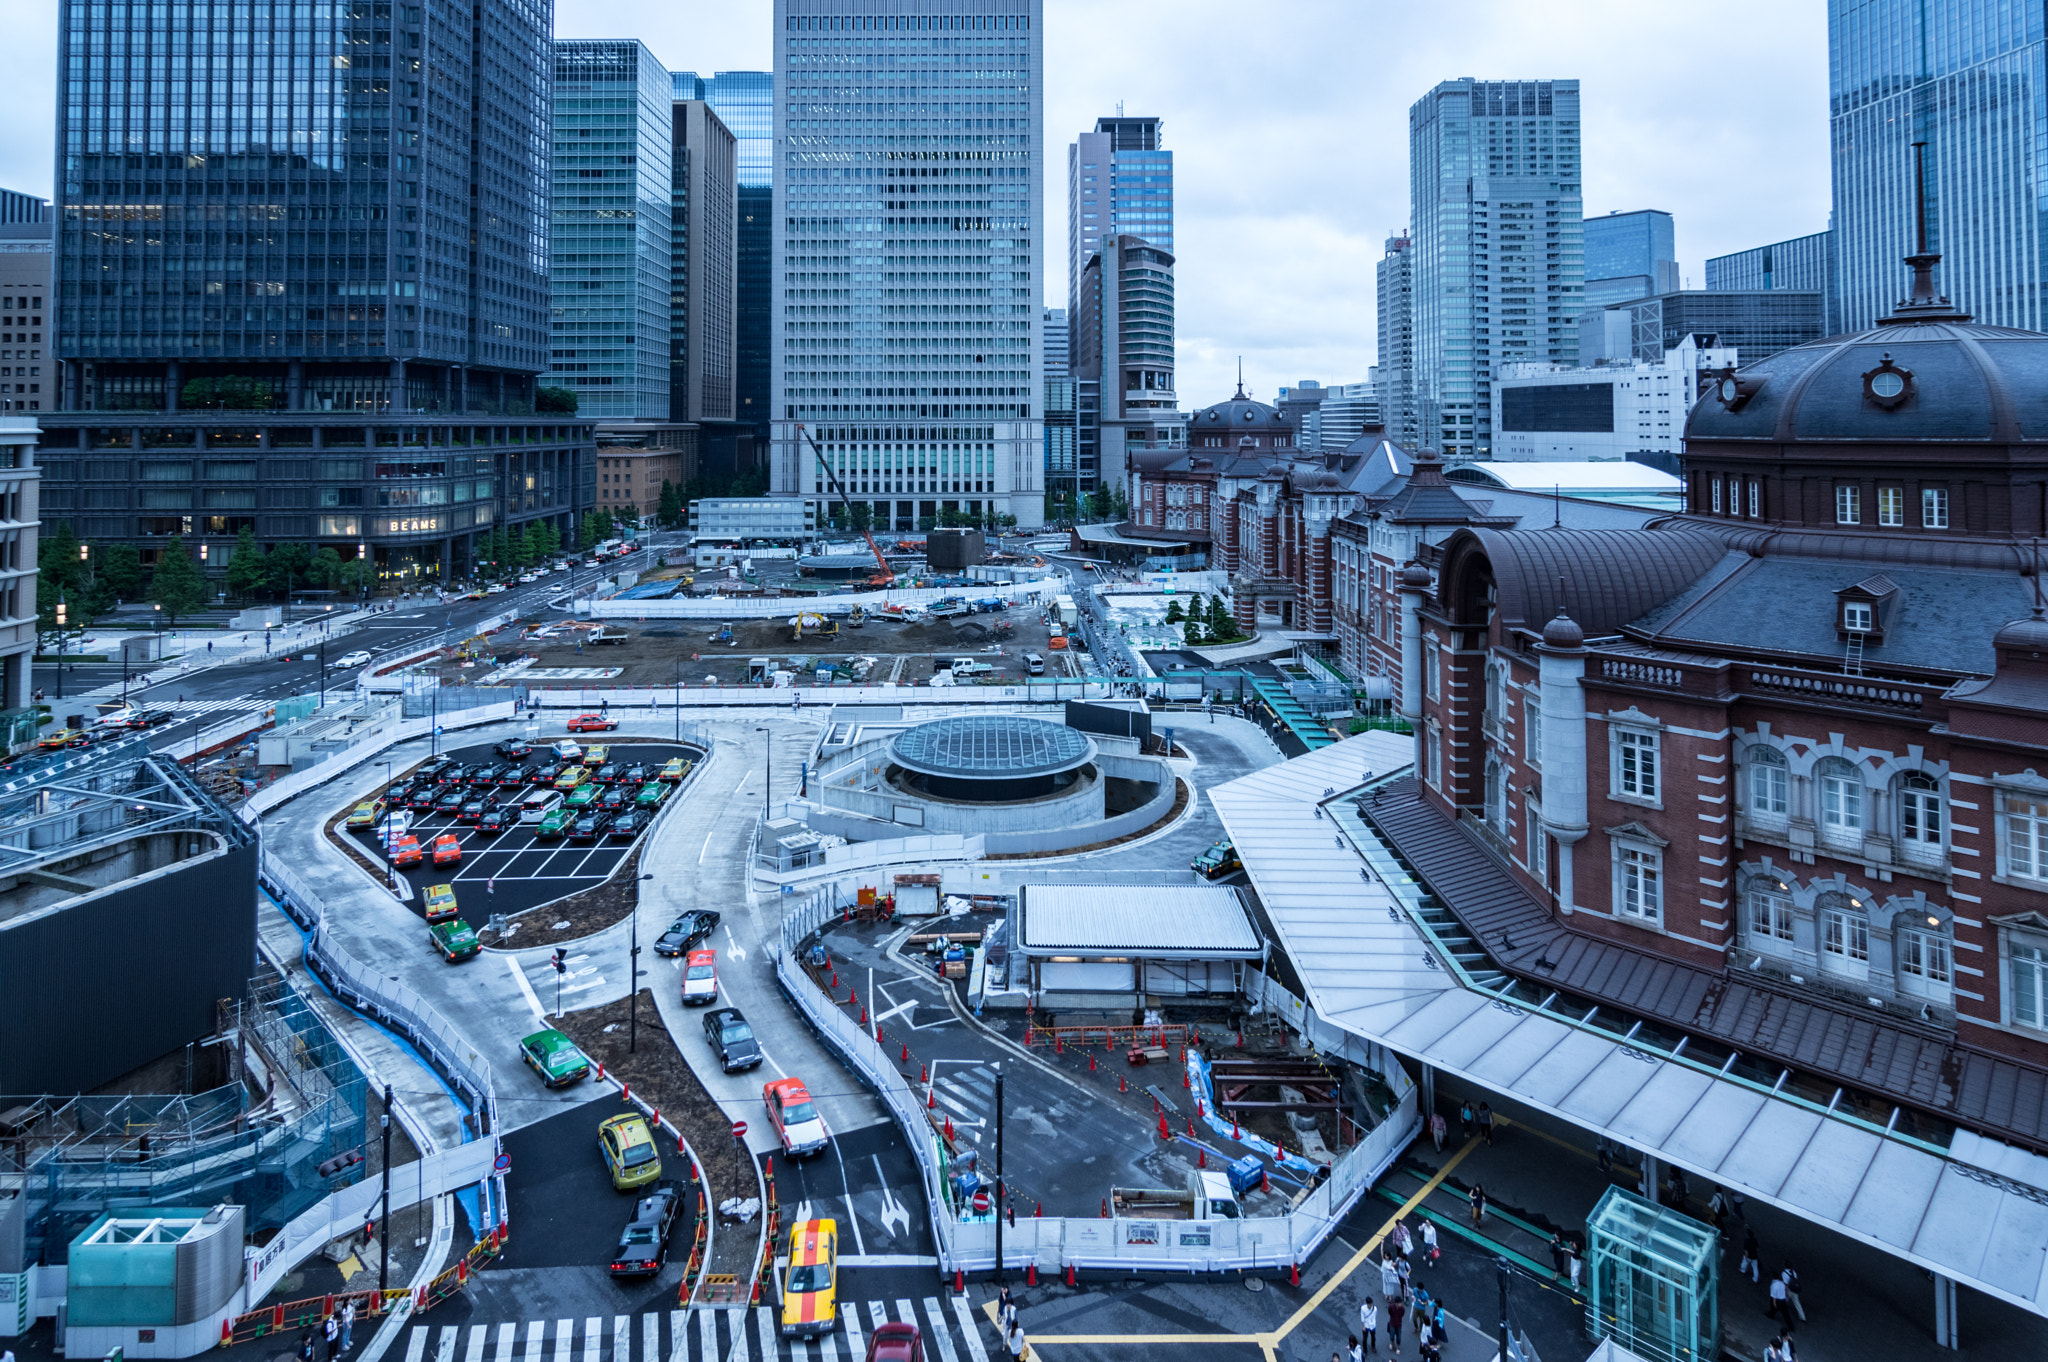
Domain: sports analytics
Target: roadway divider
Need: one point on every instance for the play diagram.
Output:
(768, 607)
(298, 782)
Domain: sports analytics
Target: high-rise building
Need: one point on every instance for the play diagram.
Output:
(1805, 264)
(745, 102)
(1124, 343)
(1053, 341)
(1394, 375)
(1756, 324)
(1346, 413)
(908, 241)
(26, 255)
(1119, 182)
(1498, 276)
(15, 207)
(1062, 465)
(703, 270)
(612, 203)
(332, 325)
(1630, 255)
(1966, 77)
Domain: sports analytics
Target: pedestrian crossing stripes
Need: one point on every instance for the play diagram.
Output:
(951, 1332)
(966, 1091)
(243, 704)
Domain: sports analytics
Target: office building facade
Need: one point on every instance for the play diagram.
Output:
(1054, 350)
(1062, 448)
(26, 258)
(1546, 413)
(908, 242)
(1119, 182)
(1496, 214)
(357, 369)
(1394, 375)
(745, 102)
(1346, 413)
(1967, 78)
(1123, 341)
(22, 208)
(610, 248)
(1756, 324)
(703, 267)
(1804, 264)
(1630, 255)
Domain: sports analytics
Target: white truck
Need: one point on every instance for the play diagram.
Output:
(966, 669)
(1065, 611)
(1206, 1197)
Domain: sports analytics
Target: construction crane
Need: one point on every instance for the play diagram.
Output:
(884, 577)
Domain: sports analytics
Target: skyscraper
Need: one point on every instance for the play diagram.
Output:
(1394, 375)
(908, 244)
(1119, 182)
(345, 253)
(702, 268)
(1804, 263)
(1498, 271)
(745, 102)
(1123, 344)
(1630, 255)
(1053, 341)
(612, 202)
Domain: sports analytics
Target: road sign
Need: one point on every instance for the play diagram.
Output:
(503, 1163)
(739, 1130)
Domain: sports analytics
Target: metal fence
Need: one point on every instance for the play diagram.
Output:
(1267, 1243)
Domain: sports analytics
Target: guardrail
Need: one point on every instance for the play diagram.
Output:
(298, 782)
(312, 1312)
(1261, 1244)
(1045, 692)
(767, 607)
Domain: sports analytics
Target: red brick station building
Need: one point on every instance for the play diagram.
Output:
(1773, 772)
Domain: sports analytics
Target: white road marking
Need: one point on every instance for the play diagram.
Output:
(849, 1316)
(892, 1209)
(707, 845)
(525, 987)
(970, 1335)
(895, 1011)
(650, 1336)
(593, 1338)
(477, 1334)
(733, 948)
(508, 1337)
(565, 1339)
(707, 1331)
(535, 1333)
(851, 1213)
(416, 1346)
(567, 989)
(938, 1332)
(450, 1336)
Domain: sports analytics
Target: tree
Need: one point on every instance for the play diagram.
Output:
(863, 517)
(1119, 505)
(320, 572)
(120, 569)
(605, 525)
(669, 509)
(57, 561)
(534, 543)
(355, 576)
(288, 564)
(176, 586)
(1221, 626)
(1174, 614)
(551, 539)
(586, 533)
(231, 393)
(556, 400)
(247, 572)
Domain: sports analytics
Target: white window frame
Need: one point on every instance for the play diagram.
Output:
(1891, 507)
(1858, 616)
(1771, 918)
(1639, 883)
(2026, 981)
(1844, 804)
(1844, 941)
(1717, 494)
(1638, 768)
(1923, 817)
(1926, 962)
(1770, 785)
(1430, 661)
(1532, 727)
(1537, 852)
(1934, 508)
(1432, 754)
(1495, 795)
(1755, 498)
(1848, 504)
(2023, 834)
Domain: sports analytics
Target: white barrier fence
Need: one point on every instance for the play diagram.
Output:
(341, 763)
(768, 607)
(1265, 1243)
(770, 697)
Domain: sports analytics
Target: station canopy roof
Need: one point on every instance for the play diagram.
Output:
(1155, 921)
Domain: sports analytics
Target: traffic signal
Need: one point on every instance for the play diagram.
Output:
(560, 961)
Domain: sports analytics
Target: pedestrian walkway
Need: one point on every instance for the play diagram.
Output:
(951, 1334)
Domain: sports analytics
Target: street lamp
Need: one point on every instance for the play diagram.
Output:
(768, 782)
(384, 1252)
(62, 610)
(633, 979)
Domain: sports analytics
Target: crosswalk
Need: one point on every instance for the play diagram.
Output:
(950, 1328)
(967, 1091)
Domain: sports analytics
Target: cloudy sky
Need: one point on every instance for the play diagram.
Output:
(1288, 123)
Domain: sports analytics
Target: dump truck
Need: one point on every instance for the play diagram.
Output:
(1206, 1197)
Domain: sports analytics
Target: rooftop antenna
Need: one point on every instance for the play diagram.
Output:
(1240, 376)
(1557, 509)
(1923, 304)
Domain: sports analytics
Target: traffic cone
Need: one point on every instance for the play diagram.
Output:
(1294, 1274)
(923, 1074)
(1265, 1182)
(835, 978)
(1191, 1127)
(227, 1333)
(1185, 1082)
(1091, 1061)
(878, 1035)
(626, 1093)
(600, 1071)
(757, 1290)
(949, 1130)
(1057, 1047)
(1234, 1135)
(931, 1099)
(657, 1116)
(906, 1052)
(959, 1281)
(1105, 1208)
(853, 998)
(863, 1018)
(1201, 1157)
(1070, 1275)
(1038, 1210)
(1031, 1274)
(1164, 1133)
(1120, 1083)
(1240, 1038)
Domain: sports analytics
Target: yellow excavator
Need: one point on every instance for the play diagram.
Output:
(816, 623)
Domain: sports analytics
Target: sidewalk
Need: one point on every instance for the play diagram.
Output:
(1542, 1175)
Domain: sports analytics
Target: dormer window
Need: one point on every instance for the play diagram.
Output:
(1863, 610)
(1857, 618)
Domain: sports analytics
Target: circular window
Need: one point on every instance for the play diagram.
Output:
(1887, 384)
(1247, 416)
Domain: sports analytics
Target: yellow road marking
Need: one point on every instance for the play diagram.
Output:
(1269, 1340)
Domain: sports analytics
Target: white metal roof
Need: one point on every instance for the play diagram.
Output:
(1603, 475)
(1978, 1215)
(1194, 920)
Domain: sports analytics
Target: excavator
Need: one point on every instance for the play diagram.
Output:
(883, 578)
(813, 622)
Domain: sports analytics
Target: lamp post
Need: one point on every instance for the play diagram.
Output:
(768, 782)
(633, 980)
(1001, 1276)
(62, 610)
(384, 1217)
(679, 698)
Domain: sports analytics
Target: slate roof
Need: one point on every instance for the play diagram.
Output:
(1913, 1065)
(1601, 578)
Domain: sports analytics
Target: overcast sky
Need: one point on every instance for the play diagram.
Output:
(1288, 121)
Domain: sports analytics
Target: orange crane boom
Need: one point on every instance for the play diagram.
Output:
(884, 576)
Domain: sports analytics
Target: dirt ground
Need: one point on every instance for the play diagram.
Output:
(658, 1072)
(901, 652)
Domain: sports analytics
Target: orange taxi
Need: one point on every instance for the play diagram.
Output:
(447, 849)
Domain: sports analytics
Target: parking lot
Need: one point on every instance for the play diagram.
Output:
(514, 870)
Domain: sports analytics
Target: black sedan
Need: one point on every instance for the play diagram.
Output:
(686, 931)
(590, 827)
(544, 774)
(608, 774)
(451, 802)
(472, 810)
(643, 1244)
(637, 774)
(628, 825)
(514, 749)
(422, 798)
(497, 818)
(504, 773)
(732, 1038)
(616, 798)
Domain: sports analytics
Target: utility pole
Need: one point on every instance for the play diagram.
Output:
(768, 768)
(384, 1216)
(633, 980)
(999, 1175)
(1501, 1266)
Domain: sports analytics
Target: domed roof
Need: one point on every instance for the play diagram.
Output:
(990, 747)
(1563, 632)
(2028, 635)
(1927, 373)
(1239, 413)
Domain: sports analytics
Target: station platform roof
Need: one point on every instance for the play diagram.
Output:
(1153, 921)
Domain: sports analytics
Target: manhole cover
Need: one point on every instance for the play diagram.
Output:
(1255, 1284)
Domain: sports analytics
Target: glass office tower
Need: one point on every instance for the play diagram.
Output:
(745, 102)
(300, 233)
(614, 122)
(1629, 255)
(907, 247)
(1119, 182)
(1970, 79)
(1497, 274)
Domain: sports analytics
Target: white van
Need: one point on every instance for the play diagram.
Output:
(539, 805)
(1034, 664)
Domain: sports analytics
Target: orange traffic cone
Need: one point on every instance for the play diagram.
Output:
(923, 1074)
(1294, 1274)
(1031, 1274)
(1120, 1087)
(227, 1333)
(1234, 1134)
(1201, 1157)
(1105, 1208)
(1265, 1182)
(906, 1052)
(1070, 1275)
(931, 1099)
(1164, 1133)
(626, 1092)
(1091, 1061)
(959, 1281)
(949, 1130)
(1038, 1210)
(1184, 1080)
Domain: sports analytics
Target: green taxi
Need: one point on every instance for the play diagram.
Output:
(454, 940)
(554, 1057)
(440, 901)
(584, 795)
(556, 823)
(651, 794)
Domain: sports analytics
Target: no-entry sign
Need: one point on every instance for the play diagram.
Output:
(739, 1130)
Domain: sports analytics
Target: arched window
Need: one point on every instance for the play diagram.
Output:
(1496, 798)
(1770, 914)
(1843, 803)
(1924, 955)
(1922, 823)
(1496, 675)
(1844, 936)
(1770, 784)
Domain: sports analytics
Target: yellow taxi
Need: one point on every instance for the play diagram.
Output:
(810, 1290)
(629, 1153)
(62, 738)
(674, 769)
(596, 755)
(366, 814)
(440, 903)
(572, 777)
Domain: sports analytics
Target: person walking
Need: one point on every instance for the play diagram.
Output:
(1792, 1292)
(1430, 1252)
(1577, 1264)
(1749, 1255)
(1006, 1309)
(1016, 1341)
(1390, 1278)
(348, 1326)
(1404, 1243)
(332, 1328)
(1560, 1254)
(1397, 1311)
(1369, 1325)
(1438, 1129)
(305, 1345)
(1779, 1309)
(1353, 1352)
(1478, 1199)
(1465, 1119)
(1486, 1124)
(1717, 1208)
(1401, 1266)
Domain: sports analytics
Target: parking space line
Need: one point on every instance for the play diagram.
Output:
(525, 987)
